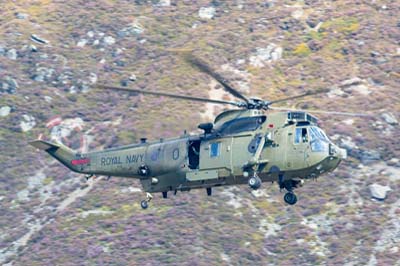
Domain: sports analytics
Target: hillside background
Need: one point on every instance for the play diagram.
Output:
(52, 55)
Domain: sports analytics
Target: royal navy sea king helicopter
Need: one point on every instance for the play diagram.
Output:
(244, 145)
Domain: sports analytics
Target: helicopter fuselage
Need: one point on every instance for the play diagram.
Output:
(278, 147)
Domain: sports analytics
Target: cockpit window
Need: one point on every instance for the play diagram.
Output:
(319, 141)
(242, 125)
(317, 133)
(301, 135)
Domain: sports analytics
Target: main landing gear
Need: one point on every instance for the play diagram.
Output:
(254, 182)
(290, 198)
(145, 203)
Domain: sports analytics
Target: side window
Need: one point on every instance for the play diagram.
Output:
(301, 135)
(214, 149)
(297, 137)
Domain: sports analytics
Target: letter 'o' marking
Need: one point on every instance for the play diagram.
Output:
(175, 154)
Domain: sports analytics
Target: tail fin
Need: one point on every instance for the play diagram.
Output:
(62, 153)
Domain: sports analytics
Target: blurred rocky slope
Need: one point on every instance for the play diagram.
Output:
(52, 55)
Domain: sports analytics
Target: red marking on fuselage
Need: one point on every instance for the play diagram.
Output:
(80, 161)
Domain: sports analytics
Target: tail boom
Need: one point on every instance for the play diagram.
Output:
(63, 154)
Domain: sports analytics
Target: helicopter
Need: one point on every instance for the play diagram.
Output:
(246, 145)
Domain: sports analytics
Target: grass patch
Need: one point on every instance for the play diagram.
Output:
(315, 35)
(47, 180)
(302, 50)
(344, 25)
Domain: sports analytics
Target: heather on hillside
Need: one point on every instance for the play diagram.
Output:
(54, 53)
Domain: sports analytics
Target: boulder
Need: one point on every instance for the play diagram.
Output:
(271, 53)
(43, 73)
(81, 43)
(33, 48)
(367, 157)
(390, 119)
(13, 83)
(27, 123)
(12, 54)
(394, 162)
(298, 13)
(48, 99)
(133, 77)
(109, 40)
(90, 34)
(162, 3)
(378, 191)
(66, 127)
(19, 15)
(207, 12)
(135, 29)
(5, 111)
(2, 50)
(9, 85)
(92, 78)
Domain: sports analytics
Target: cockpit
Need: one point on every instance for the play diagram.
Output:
(317, 138)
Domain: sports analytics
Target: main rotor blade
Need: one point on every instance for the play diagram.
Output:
(321, 112)
(191, 98)
(204, 67)
(308, 93)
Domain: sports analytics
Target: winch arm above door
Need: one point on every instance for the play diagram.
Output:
(255, 160)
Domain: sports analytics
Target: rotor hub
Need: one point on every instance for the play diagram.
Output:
(257, 103)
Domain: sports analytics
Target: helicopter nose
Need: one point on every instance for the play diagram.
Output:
(336, 155)
(342, 153)
(337, 152)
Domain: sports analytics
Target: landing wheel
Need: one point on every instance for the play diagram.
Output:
(254, 182)
(144, 204)
(290, 198)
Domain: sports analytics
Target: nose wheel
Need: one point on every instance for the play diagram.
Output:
(145, 203)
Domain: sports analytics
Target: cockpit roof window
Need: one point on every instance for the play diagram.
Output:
(241, 125)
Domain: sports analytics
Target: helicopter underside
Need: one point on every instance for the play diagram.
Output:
(312, 172)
